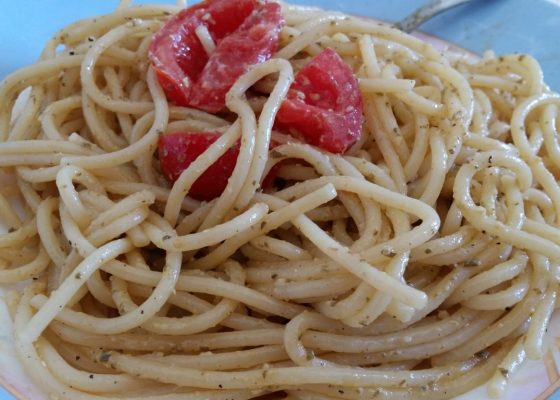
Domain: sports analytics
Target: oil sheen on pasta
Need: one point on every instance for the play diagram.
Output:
(421, 263)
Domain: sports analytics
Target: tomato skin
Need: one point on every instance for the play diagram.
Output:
(324, 105)
(178, 150)
(176, 53)
(254, 42)
(245, 32)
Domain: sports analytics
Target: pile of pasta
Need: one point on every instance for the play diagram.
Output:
(421, 263)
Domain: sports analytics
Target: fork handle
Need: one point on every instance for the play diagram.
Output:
(426, 12)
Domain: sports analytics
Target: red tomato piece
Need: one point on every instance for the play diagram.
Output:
(324, 105)
(252, 43)
(178, 150)
(176, 53)
(246, 32)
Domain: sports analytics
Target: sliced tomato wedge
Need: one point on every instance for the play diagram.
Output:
(252, 43)
(324, 105)
(178, 150)
(188, 76)
(176, 53)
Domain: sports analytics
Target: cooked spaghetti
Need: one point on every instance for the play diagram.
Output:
(417, 257)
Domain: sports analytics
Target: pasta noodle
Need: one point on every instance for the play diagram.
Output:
(421, 263)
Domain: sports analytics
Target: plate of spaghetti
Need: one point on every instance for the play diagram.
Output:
(258, 200)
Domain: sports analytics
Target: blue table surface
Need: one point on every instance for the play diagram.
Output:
(503, 25)
(528, 26)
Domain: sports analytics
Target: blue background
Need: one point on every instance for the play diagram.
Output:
(529, 26)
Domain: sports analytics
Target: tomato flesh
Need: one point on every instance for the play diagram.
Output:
(252, 43)
(245, 32)
(324, 105)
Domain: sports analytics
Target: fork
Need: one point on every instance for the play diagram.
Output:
(426, 12)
